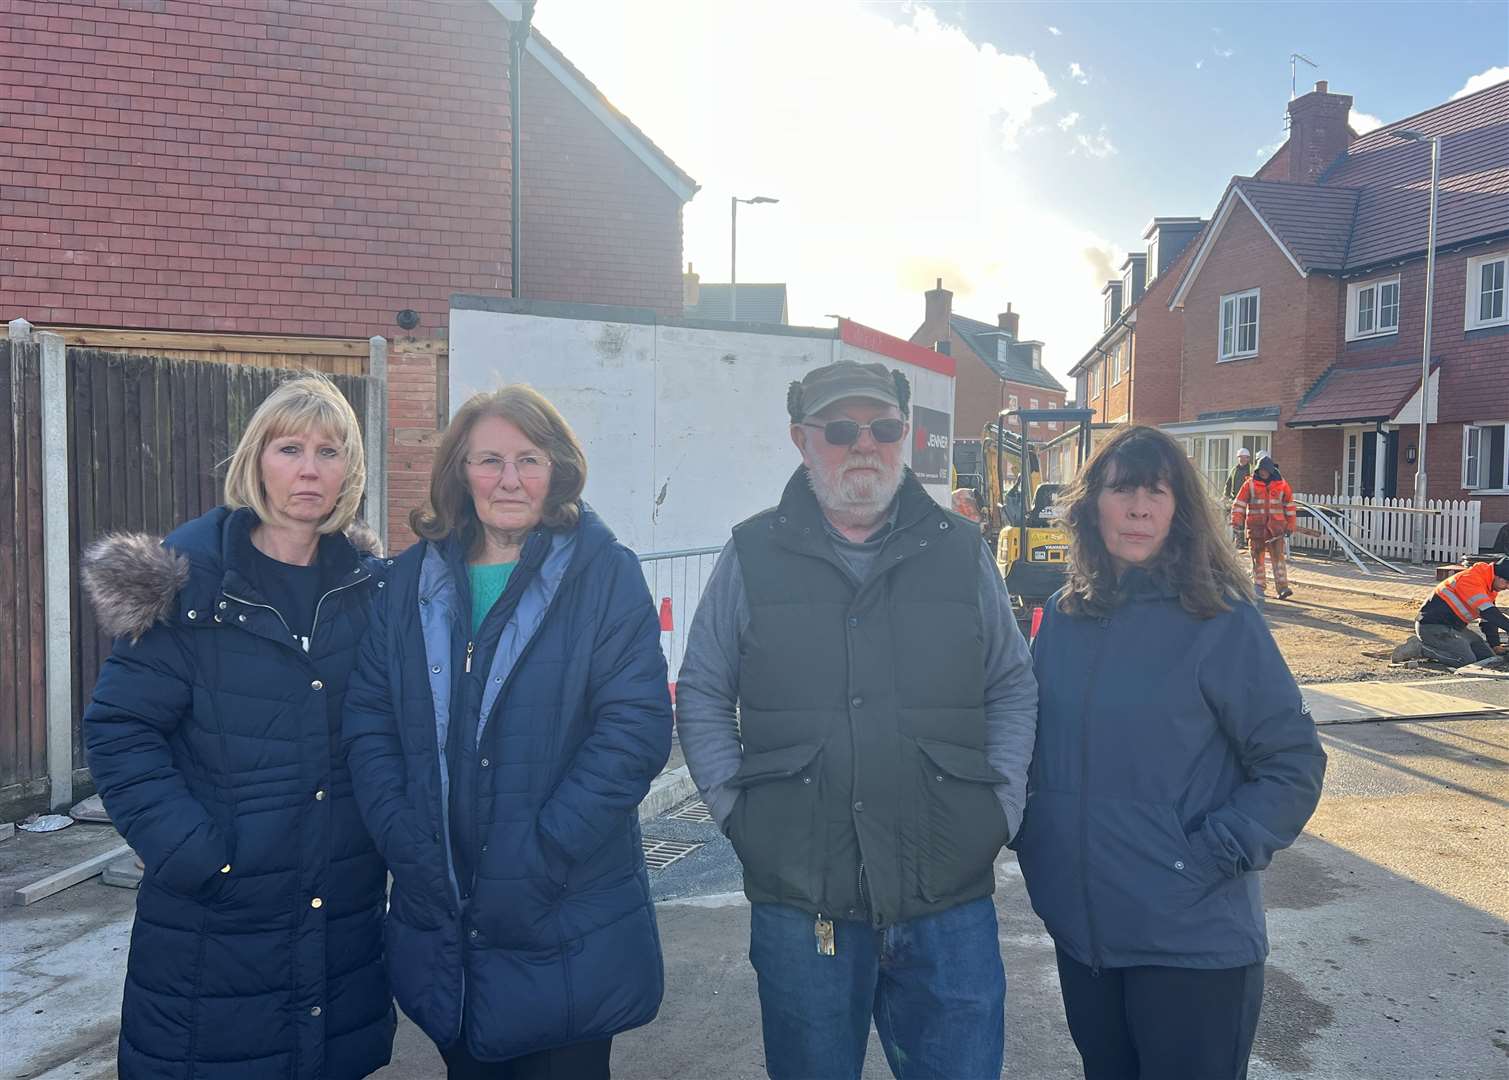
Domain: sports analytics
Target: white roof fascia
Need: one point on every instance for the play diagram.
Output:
(1216, 226)
(512, 11)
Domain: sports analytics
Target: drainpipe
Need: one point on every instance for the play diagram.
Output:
(518, 36)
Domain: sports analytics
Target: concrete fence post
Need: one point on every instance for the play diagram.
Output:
(57, 585)
(20, 330)
(377, 438)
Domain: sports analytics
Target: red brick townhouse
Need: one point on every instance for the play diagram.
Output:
(302, 168)
(995, 370)
(1131, 373)
(1304, 305)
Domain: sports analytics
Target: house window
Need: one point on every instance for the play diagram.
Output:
(1152, 262)
(1116, 366)
(1032, 403)
(1372, 309)
(1485, 291)
(1239, 325)
(1012, 402)
(1483, 457)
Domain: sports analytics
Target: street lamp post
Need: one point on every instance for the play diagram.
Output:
(733, 251)
(1430, 291)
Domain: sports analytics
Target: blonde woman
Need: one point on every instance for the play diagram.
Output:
(213, 737)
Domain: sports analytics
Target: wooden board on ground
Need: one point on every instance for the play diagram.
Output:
(68, 876)
(1348, 702)
(7, 830)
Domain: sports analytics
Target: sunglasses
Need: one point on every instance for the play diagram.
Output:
(846, 432)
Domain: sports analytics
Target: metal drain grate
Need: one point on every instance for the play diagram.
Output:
(696, 810)
(658, 854)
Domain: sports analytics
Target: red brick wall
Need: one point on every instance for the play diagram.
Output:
(412, 433)
(1297, 340)
(248, 165)
(1158, 349)
(598, 225)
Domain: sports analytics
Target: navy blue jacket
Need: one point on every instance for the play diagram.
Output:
(551, 939)
(215, 741)
(1174, 756)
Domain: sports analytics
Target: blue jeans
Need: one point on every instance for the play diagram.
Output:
(935, 986)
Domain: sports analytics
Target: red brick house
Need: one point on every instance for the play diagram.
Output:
(1131, 373)
(995, 370)
(278, 167)
(1303, 306)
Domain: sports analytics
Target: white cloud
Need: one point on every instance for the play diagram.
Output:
(1362, 122)
(1068, 121)
(1224, 54)
(1055, 31)
(1098, 145)
(1481, 81)
(1266, 152)
(1079, 75)
(893, 157)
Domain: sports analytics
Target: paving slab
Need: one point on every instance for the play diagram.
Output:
(1351, 702)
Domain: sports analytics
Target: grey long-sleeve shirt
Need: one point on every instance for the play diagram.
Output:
(707, 688)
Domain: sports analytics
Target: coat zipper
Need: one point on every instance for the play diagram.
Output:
(1084, 800)
(303, 641)
(469, 646)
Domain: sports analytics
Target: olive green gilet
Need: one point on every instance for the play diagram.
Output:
(862, 716)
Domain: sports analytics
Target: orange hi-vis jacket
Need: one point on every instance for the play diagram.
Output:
(1266, 507)
(1469, 592)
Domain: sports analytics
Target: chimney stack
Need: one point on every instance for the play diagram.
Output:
(1010, 321)
(691, 288)
(1318, 132)
(939, 309)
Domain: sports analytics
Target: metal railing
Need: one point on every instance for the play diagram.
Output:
(676, 580)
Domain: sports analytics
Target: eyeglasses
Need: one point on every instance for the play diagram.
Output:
(846, 432)
(527, 466)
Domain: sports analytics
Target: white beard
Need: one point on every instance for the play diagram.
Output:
(849, 498)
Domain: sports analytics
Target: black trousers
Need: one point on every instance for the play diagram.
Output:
(580, 1061)
(1162, 1023)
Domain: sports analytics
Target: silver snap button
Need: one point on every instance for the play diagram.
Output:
(424, 603)
(922, 543)
(499, 680)
(222, 605)
(484, 763)
(381, 584)
(471, 934)
(436, 669)
(314, 1011)
(218, 619)
(241, 618)
(943, 525)
(1179, 864)
(316, 685)
(938, 778)
(319, 796)
(193, 614)
(387, 562)
(806, 779)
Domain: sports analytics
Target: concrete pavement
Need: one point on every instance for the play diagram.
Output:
(1389, 922)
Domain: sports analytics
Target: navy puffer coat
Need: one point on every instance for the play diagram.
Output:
(551, 940)
(1174, 756)
(214, 739)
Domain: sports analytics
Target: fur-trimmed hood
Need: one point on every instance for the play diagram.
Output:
(133, 579)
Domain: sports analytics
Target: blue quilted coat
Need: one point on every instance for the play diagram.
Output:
(215, 741)
(542, 932)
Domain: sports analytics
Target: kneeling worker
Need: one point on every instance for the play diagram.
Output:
(1443, 624)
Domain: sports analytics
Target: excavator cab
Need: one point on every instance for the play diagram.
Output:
(1032, 548)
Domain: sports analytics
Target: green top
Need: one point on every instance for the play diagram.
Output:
(488, 582)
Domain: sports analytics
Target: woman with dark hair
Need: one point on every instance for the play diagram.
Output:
(1174, 757)
(508, 712)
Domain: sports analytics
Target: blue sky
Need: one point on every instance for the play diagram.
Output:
(1017, 150)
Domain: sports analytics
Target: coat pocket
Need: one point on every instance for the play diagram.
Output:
(962, 826)
(776, 828)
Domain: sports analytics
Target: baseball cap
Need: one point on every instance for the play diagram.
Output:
(842, 379)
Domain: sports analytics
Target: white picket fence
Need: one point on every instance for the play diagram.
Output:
(1382, 526)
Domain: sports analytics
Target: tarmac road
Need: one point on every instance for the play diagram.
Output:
(1389, 922)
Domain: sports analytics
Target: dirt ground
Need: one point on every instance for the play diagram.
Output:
(1328, 635)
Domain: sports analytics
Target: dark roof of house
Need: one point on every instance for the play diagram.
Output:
(1372, 205)
(1314, 223)
(757, 303)
(1357, 394)
(1261, 412)
(1393, 177)
(981, 339)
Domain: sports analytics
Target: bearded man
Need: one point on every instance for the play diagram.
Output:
(857, 707)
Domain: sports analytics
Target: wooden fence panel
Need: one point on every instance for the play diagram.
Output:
(148, 438)
(23, 730)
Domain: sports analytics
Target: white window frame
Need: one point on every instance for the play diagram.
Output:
(1236, 352)
(1479, 428)
(1374, 291)
(1115, 361)
(1013, 402)
(1032, 403)
(1475, 291)
(1152, 263)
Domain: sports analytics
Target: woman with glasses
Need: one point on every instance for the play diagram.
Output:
(508, 712)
